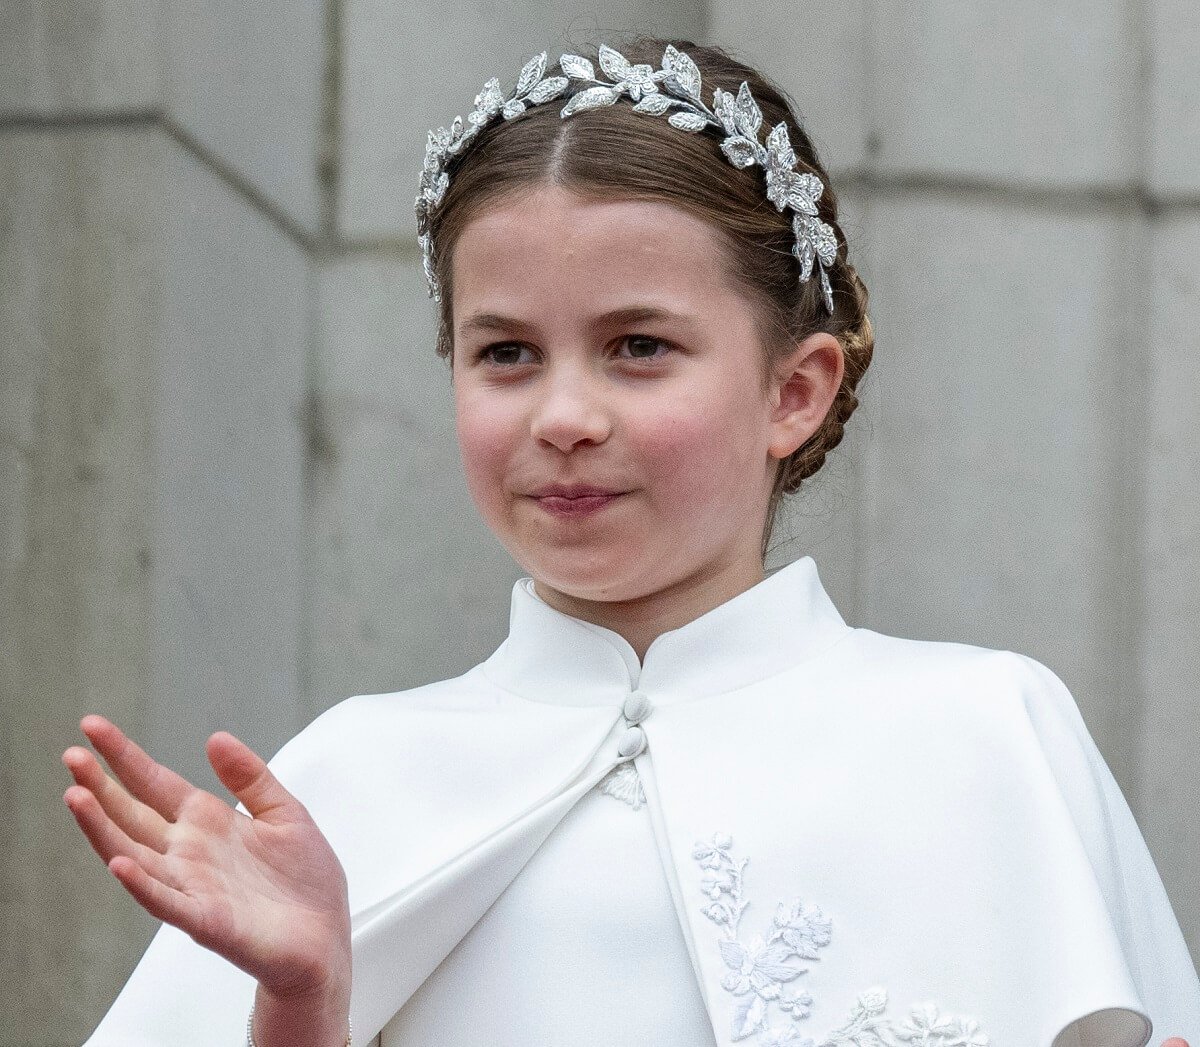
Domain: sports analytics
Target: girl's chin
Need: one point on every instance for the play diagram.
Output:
(609, 583)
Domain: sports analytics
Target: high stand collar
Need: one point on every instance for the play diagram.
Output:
(774, 625)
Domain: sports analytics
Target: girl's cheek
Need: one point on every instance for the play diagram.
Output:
(486, 445)
(677, 446)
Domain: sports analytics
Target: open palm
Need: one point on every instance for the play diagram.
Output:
(266, 891)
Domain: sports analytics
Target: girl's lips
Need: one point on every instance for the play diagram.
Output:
(584, 505)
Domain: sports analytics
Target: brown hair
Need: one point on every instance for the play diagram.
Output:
(615, 153)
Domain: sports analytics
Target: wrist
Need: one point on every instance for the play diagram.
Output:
(319, 1018)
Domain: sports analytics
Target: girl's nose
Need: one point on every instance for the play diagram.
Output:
(570, 411)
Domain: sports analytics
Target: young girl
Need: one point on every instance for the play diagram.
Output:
(683, 804)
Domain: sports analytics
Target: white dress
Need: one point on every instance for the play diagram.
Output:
(777, 830)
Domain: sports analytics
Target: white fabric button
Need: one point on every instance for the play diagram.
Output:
(632, 742)
(637, 707)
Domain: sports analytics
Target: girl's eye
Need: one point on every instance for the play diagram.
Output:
(503, 354)
(510, 354)
(643, 347)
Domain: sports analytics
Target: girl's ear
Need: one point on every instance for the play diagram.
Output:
(803, 387)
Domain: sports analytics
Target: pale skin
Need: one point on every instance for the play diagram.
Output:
(678, 417)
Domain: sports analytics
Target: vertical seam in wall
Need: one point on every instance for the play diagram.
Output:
(330, 133)
(859, 571)
(1131, 461)
(316, 442)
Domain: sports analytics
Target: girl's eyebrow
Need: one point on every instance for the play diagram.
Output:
(630, 314)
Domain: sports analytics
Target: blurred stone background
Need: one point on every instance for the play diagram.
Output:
(229, 490)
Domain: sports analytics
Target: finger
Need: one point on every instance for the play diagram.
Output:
(155, 785)
(246, 774)
(136, 820)
(160, 901)
(104, 835)
(1175, 1041)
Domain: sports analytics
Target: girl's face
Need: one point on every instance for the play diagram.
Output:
(615, 429)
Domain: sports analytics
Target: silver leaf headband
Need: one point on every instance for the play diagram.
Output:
(737, 115)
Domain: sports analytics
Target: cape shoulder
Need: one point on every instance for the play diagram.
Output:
(970, 682)
(418, 775)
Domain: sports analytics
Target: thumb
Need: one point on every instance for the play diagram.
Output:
(245, 774)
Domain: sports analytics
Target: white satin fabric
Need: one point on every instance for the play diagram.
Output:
(848, 838)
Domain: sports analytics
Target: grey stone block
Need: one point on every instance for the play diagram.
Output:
(1025, 92)
(815, 52)
(409, 69)
(1174, 98)
(243, 81)
(154, 328)
(1170, 661)
(246, 80)
(230, 447)
(79, 279)
(79, 56)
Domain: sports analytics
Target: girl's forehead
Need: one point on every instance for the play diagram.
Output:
(553, 236)
(561, 213)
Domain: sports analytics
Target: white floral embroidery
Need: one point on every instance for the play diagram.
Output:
(759, 969)
(624, 782)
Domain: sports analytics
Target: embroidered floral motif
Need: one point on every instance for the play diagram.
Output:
(624, 782)
(760, 968)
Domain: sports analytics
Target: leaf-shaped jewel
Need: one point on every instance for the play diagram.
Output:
(826, 290)
(723, 106)
(456, 129)
(809, 184)
(513, 107)
(614, 63)
(805, 254)
(777, 185)
(549, 88)
(825, 241)
(748, 1016)
(749, 116)
(531, 73)
(684, 72)
(435, 190)
(780, 146)
(427, 260)
(799, 200)
(592, 98)
(577, 67)
(491, 98)
(655, 104)
(741, 151)
(686, 121)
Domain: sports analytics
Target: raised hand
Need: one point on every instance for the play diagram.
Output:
(266, 891)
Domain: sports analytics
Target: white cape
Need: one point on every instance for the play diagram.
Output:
(921, 836)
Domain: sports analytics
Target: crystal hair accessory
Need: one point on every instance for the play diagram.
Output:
(653, 91)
